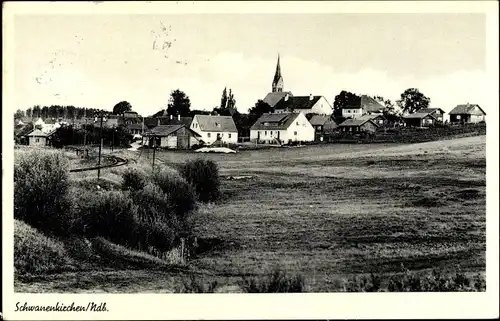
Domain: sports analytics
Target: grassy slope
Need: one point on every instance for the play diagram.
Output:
(328, 211)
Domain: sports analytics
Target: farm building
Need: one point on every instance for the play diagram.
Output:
(38, 138)
(323, 124)
(282, 127)
(367, 105)
(420, 119)
(438, 113)
(171, 136)
(215, 128)
(360, 124)
(134, 129)
(304, 104)
(468, 113)
(175, 120)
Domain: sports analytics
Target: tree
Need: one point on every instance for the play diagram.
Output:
(179, 104)
(261, 107)
(413, 100)
(223, 100)
(122, 107)
(343, 100)
(29, 112)
(36, 111)
(18, 114)
(231, 102)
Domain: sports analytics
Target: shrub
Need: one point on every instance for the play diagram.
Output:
(193, 285)
(37, 253)
(277, 282)
(41, 191)
(427, 202)
(134, 179)
(204, 176)
(110, 214)
(180, 193)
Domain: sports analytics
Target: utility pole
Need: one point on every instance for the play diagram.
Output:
(85, 129)
(154, 149)
(113, 141)
(100, 147)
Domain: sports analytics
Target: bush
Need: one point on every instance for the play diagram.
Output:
(37, 253)
(134, 179)
(41, 191)
(277, 282)
(110, 214)
(181, 194)
(204, 176)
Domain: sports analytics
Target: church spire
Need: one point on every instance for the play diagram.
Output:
(278, 79)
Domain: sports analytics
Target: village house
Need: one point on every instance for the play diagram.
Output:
(323, 124)
(304, 104)
(420, 119)
(134, 129)
(367, 105)
(282, 128)
(437, 113)
(38, 138)
(359, 124)
(215, 128)
(47, 125)
(467, 113)
(171, 136)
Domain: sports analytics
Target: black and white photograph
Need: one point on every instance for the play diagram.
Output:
(248, 152)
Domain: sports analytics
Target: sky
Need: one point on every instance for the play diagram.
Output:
(97, 61)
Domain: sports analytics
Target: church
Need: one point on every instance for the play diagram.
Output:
(284, 101)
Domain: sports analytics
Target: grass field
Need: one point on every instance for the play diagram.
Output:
(328, 212)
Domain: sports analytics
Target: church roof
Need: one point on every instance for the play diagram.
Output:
(273, 98)
(277, 74)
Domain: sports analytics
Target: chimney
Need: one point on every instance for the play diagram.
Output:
(311, 97)
(178, 117)
(158, 121)
(286, 97)
(171, 117)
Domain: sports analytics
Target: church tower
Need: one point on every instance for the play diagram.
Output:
(278, 79)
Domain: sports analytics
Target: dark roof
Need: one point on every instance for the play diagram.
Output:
(319, 120)
(368, 104)
(357, 121)
(465, 109)
(216, 123)
(297, 102)
(150, 122)
(133, 126)
(273, 98)
(277, 74)
(165, 120)
(430, 110)
(419, 115)
(274, 121)
(166, 130)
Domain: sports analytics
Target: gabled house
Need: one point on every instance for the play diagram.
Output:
(134, 129)
(39, 138)
(323, 124)
(360, 124)
(282, 128)
(468, 113)
(366, 105)
(420, 119)
(215, 128)
(171, 136)
(274, 97)
(303, 104)
(438, 113)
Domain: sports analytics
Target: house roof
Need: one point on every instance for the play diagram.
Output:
(37, 133)
(165, 120)
(419, 115)
(297, 102)
(216, 123)
(465, 109)
(166, 130)
(430, 110)
(319, 120)
(274, 121)
(133, 126)
(273, 98)
(357, 121)
(368, 104)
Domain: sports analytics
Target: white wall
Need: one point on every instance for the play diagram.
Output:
(353, 113)
(301, 126)
(226, 137)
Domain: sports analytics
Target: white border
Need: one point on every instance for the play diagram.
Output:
(241, 306)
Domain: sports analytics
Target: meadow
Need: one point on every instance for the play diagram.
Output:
(330, 213)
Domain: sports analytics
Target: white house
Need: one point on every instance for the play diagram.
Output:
(212, 128)
(367, 105)
(303, 104)
(282, 128)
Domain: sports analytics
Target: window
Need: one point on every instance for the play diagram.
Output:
(458, 117)
(295, 133)
(297, 123)
(37, 140)
(222, 135)
(348, 111)
(228, 135)
(265, 133)
(208, 135)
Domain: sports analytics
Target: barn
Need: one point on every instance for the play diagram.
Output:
(171, 136)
